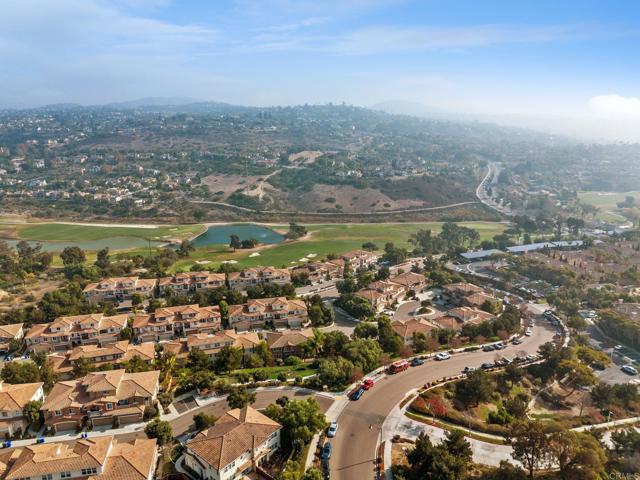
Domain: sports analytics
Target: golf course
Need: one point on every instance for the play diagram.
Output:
(321, 240)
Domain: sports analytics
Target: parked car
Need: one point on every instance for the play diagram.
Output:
(326, 452)
(531, 357)
(40, 440)
(367, 384)
(499, 346)
(517, 341)
(529, 332)
(618, 347)
(333, 429)
(6, 444)
(488, 348)
(416, 362)
(468, 369)
(487, 366)
(443, 356)
(629, 370)
(357, 394)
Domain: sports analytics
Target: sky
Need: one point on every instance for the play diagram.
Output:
(566, 66)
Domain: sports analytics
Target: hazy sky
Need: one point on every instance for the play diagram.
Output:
(532, 61)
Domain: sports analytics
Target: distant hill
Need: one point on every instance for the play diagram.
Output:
(153, 102)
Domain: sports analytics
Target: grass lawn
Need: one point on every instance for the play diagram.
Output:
(62, 232)
(605, 200)
(273, 372)
(325, 239)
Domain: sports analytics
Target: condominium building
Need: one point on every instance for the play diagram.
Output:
(119, 288)
(168, 322)
(252, 277)
(190, 282)
(278, 312)
(111, 398)
(13, 399)
(67, 332)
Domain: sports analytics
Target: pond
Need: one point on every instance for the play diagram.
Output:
(219, 234)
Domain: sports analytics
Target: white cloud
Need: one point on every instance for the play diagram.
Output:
(615, 105)
(384, 39)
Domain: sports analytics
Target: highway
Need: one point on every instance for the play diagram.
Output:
(354, 448)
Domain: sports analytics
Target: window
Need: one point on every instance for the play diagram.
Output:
(48, 476)
(58, 413)
(65, 475)
(109, 406)
(89, 471)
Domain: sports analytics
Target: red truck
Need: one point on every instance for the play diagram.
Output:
(399, 366)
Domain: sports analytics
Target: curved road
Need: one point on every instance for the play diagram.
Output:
(354, 448)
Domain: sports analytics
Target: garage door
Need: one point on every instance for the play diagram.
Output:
(127, 419)
(101, 422)
(65, 426)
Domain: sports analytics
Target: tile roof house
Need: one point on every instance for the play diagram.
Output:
(119, 288)
(470, 315)
(8, 333)
(183, 320)
(67, 332)
(259, 312)
(109, 398)
(96, 458)
(320, 271)
(238, 442)
(191, 282)
(458, 291)
(115, 354)
(212, 344)
(13, 398)
(414, 325)
(251, 277)
(381, 293)
(478, 299)
(287, 342)
(411, 281)
(360, 258)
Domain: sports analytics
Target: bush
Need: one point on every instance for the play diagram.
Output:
(293, 360)
(260, 375)
(150, 411)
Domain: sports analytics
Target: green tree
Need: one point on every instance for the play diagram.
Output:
(365, 330)
(20, 372)
(32, 414)
(72, 256)
(363, 353)
(300, 420)
(312, 474)
(102, 258)
(389, 340)
(160, 430)
(137, 364)
(203, 420)
(476, 388)
(578, 455)
(227, 359)
(240, 397)
(530, 445)
(335, 372)
(82, 366)
(235, 242)
(198, 360)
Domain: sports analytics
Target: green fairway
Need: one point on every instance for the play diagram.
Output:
(59, 232)
(324, 239)
(606, 200)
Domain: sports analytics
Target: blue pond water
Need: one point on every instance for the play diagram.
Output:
(219, 234)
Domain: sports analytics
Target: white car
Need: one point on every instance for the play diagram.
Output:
(333, 429)
(528, 333)
(629, 370)
(443, 356)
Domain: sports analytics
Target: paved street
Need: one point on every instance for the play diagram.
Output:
(348, 463)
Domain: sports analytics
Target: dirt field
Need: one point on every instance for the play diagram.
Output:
(351, 199)
(306, 157)
(230, 183)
